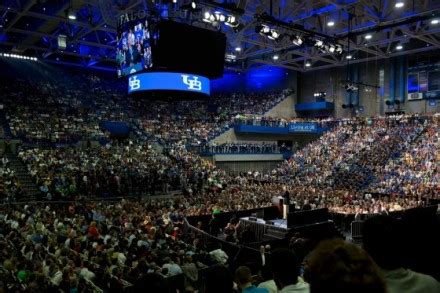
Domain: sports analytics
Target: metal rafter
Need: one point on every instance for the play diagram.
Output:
(313, 15)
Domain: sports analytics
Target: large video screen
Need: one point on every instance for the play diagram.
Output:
(185, 48)
(134, 48)
(169, 46)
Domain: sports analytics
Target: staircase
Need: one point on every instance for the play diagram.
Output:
(29, 187)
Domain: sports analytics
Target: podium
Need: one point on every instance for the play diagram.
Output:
(283, 207)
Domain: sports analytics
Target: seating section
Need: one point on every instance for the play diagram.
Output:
(101, 231)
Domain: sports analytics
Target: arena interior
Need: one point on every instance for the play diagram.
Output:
(220, 146)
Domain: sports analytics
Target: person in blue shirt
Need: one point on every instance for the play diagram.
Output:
(243, 277)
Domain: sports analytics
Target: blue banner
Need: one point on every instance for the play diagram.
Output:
(307, 127)
(151, 81)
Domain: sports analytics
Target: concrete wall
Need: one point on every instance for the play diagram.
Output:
(375, 72)
(231, 136)
(247, 157)
(285, 109)
(329, 81)
(237, 167)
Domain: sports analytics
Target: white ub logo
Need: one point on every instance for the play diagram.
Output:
(193, 84)
(134, 83)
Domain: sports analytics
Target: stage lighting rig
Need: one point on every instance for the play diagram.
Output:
(297, 40)
(217, 17)
(353, 86)
(320, 94)
(350, 87)
(268, 32)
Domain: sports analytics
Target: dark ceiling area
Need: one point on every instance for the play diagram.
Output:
(365, 30)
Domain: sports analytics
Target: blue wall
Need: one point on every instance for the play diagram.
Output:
(262, 79)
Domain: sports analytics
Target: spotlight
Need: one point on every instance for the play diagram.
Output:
(274, 34)
(238, 49)
(319, 94)
(193, 5)
(71, 15)
(435, 21)
(331, 48)
(174, 1)
(296, 40)
(206, 16)
(368, 37)
(339, 49)
(331, 23)
(308, 64)
(349, 57)
(319, 43)
(399, 47)
(275, 57)
(399, 4)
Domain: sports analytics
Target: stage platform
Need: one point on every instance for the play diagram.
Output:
(265, 230)
(279, 229)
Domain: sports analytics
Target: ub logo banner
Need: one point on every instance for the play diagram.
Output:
(193, 84)
(151, 81)
(303, 127)
(134, 83)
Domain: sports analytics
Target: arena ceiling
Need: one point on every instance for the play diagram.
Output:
(32, 27)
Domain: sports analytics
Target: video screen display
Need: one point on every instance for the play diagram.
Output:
(134, 48)
(144, 45)
(185, 48)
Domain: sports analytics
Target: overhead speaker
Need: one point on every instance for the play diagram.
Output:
(389, 102)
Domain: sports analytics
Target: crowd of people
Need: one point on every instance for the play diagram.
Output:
(10, 187)
(334, 171)
(59, 111)
(359, 166)
(416, 171)
(127, 246)
(243, 148)
(259, 120)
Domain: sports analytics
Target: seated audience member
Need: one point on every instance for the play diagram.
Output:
(382, 237)
(243, 277)
(285, 267)
(218, 279)
(152, 282)
(268, 282)
(338, 266)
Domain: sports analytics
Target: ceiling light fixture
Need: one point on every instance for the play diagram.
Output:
(399, 4)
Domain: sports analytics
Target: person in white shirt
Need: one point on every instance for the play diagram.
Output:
(383, 240)
(285, 267)
(172, 267)
(268, 283)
